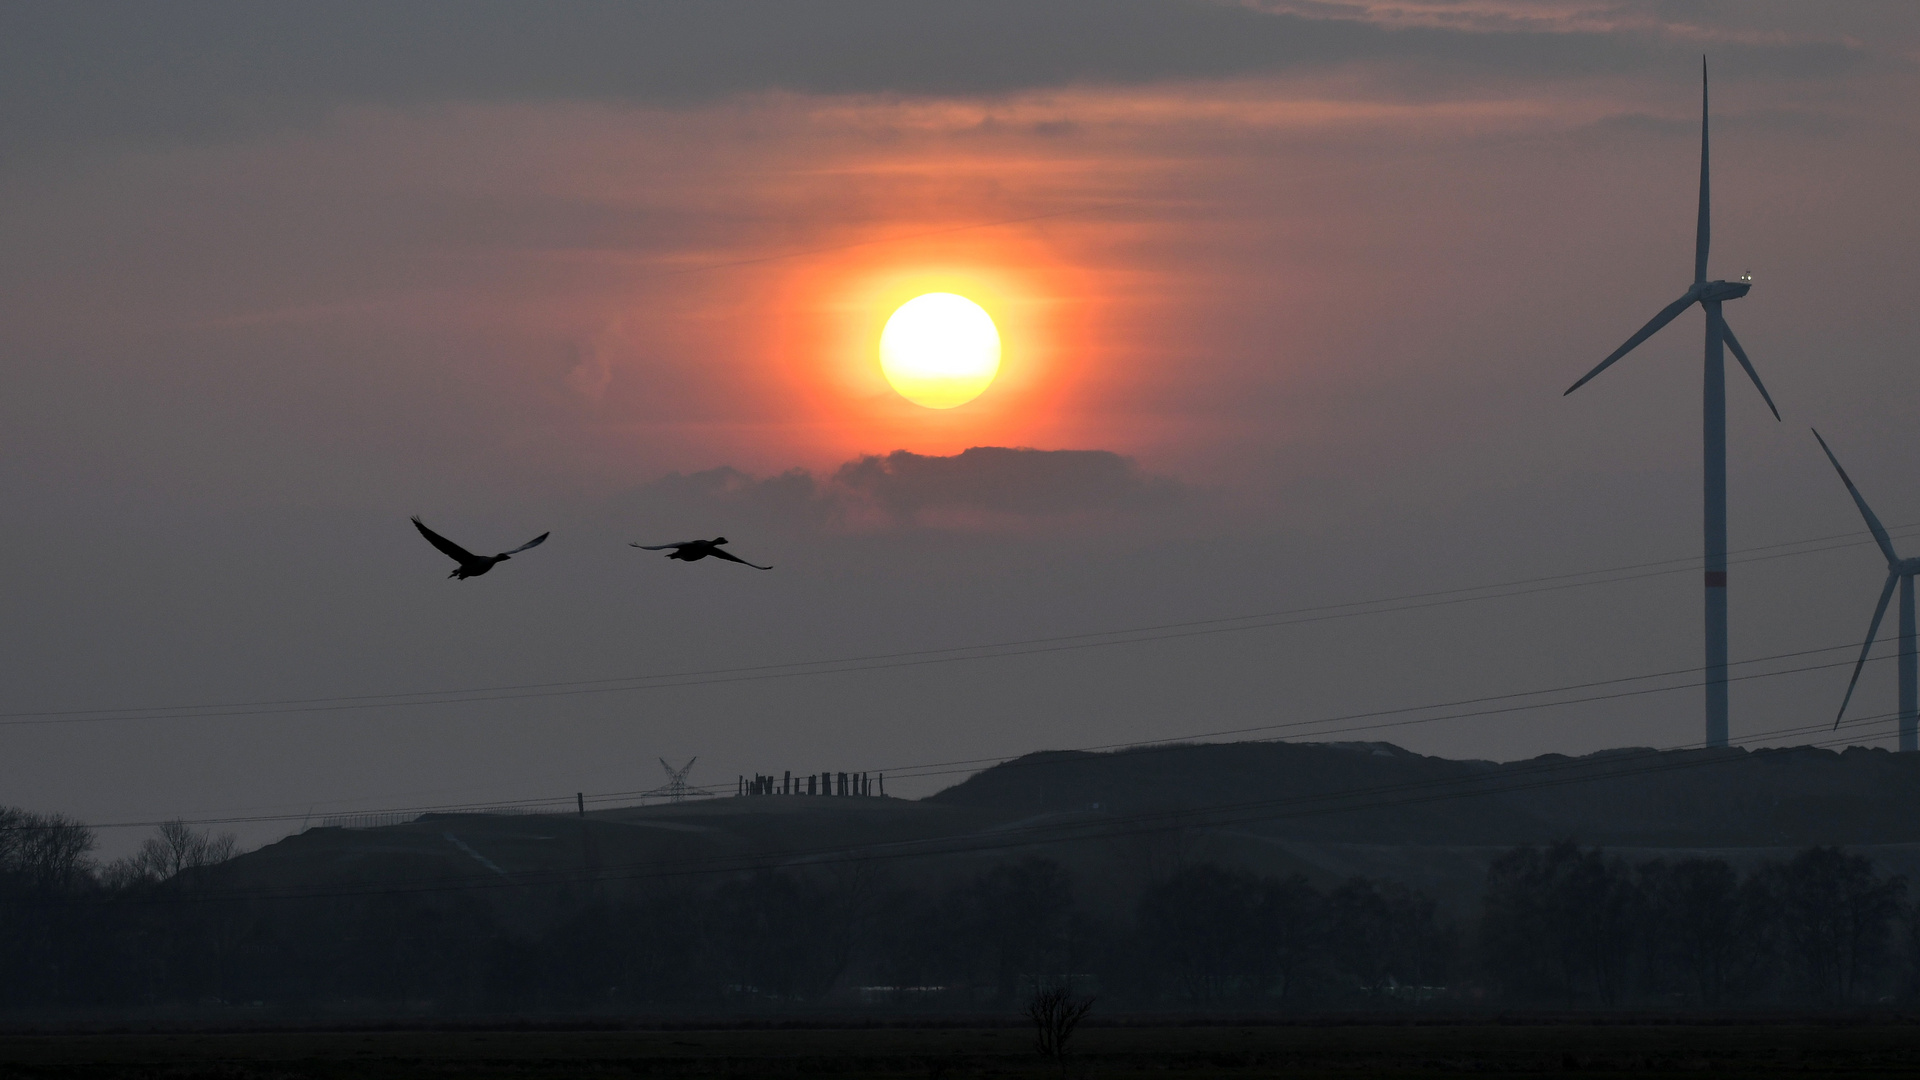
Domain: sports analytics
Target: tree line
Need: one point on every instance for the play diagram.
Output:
(1561, 926)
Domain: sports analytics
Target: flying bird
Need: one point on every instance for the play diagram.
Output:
(695, 550)
(472, 565)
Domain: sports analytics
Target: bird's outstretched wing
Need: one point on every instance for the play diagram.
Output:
(661, 547)
(535, 542)
(449, 548)
(718, 554)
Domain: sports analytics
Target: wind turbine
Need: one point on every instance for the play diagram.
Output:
(1901, 570)
(1709, 295)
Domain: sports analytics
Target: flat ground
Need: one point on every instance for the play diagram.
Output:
(1877, 1048)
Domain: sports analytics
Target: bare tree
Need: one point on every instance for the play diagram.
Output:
(49, 851)
(1835, 915)
(175, 847)
(1055, 1012)
(855, 891)
(1159, 848)
(1205, 933)
(12, 834)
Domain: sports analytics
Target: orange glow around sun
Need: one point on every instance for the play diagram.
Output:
(824, 345)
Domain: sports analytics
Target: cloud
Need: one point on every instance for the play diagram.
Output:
(134, 69)
(1002, 480)
(793, 494)
(983, 487)
(590, 373)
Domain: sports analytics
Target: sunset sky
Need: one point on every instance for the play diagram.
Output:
(1300, 281)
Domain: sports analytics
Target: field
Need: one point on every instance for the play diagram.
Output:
(1878, 1047)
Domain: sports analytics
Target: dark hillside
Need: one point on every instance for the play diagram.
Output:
(1120, 820)
(694, 838)
(1379, 794)
(1329, 810)
(1250, 875)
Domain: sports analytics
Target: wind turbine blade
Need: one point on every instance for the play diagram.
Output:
(1740, 354)
(1873, 523)
(1879, 611)
(1667, 315)
(1703, 236)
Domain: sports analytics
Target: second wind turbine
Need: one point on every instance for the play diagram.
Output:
(1709, 295)
(1901, 571)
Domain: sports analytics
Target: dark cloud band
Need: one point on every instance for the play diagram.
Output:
(980, 485)
(77, 71)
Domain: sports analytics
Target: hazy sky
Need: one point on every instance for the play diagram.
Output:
(1303, 281)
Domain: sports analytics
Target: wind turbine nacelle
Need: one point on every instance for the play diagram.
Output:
(1724, 290)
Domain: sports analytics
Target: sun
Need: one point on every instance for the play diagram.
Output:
(940, 350)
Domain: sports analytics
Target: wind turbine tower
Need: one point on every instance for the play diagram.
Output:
(1709, 295)
(1901, 570)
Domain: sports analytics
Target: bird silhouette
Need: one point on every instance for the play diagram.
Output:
(471, 565)
(695, 550)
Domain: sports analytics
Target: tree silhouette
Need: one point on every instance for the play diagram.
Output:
(1055, 1012)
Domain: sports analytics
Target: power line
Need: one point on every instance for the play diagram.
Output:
(921, 657)
(930, 769)
(1529, 776)
(910, 770)
(1457, 716)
